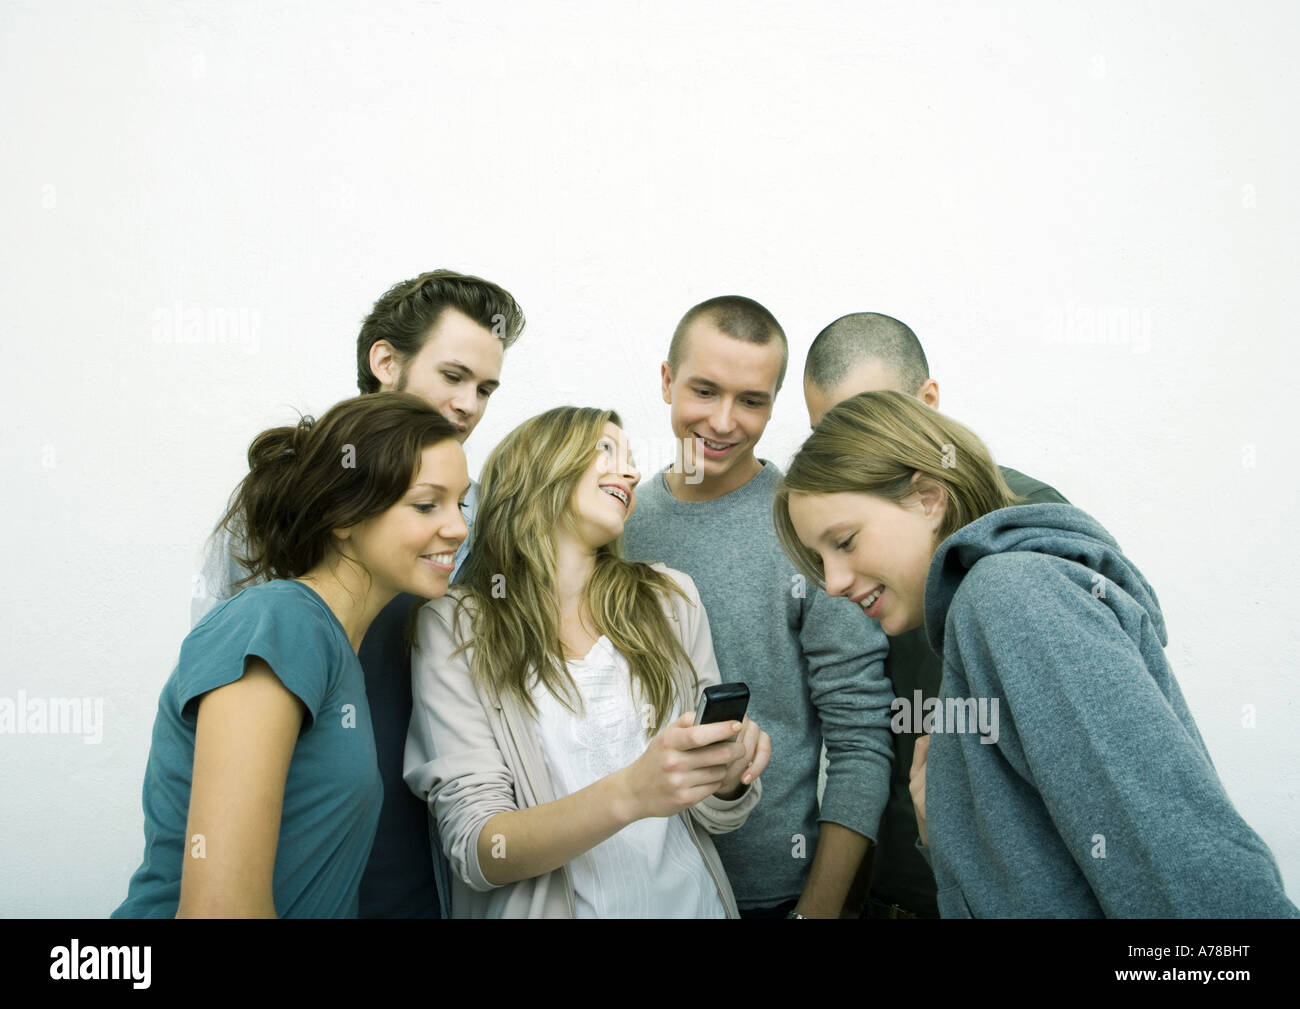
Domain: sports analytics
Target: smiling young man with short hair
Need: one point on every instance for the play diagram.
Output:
(813, 674)
(441, 336)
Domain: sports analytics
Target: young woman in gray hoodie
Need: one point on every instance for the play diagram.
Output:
(1066, 776)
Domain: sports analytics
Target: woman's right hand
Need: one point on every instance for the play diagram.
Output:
(682, 765)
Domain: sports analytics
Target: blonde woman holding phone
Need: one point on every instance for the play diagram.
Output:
(555, 693)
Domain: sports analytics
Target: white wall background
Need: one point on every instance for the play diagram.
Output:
(998, 175)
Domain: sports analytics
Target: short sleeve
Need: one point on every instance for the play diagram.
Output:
(277, 623)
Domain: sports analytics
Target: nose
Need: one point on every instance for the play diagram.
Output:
(722, 419)
(839, 579)
(455, 529)
(619, 461)
(465, 401)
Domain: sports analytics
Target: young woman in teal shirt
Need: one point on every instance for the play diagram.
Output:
(262, 790)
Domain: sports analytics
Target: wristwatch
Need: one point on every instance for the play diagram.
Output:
(795, 914)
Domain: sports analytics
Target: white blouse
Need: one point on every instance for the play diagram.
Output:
(650, 868)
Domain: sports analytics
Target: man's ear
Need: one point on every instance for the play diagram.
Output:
(666, 380)
(384, 364)
(929, 394)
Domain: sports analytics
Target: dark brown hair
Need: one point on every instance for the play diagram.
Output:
(407, 311)
(305, 481)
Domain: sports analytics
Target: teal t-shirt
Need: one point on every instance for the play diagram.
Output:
(333, 792)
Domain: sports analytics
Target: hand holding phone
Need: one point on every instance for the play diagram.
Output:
(693, 758)
(722, 702)
(728, 702)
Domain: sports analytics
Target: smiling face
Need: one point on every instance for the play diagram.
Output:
(605, 496)
(411, 546)
(873, 551)
(721, 398)
(456, 369)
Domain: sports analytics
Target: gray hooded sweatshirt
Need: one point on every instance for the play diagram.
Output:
(1066, 777)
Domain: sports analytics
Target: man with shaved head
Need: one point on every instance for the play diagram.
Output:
(865, 352)
(869, 352)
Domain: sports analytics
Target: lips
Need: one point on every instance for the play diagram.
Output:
(618, 492)
(715, 448)
(870, 600)
(440, 562)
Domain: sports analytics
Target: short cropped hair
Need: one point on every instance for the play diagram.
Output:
(740, 318)
(866, 336)
(407, 311)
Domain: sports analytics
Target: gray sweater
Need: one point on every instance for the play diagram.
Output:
(1098, 797)
(814, 666)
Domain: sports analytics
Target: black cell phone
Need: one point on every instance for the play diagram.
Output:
(722, 702)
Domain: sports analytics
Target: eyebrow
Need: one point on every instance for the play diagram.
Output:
(693, 380)
(834, 533)
(615, 445)
(438, 489)
(462, 367)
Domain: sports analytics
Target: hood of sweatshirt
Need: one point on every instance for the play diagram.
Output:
(1058, 530)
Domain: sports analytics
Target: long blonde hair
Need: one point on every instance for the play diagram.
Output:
(876, 443)
(524, 495)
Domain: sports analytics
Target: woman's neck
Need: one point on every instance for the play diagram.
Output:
(351, 596)
(574, 564)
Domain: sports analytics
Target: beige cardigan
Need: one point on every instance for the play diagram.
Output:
(471, 756)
